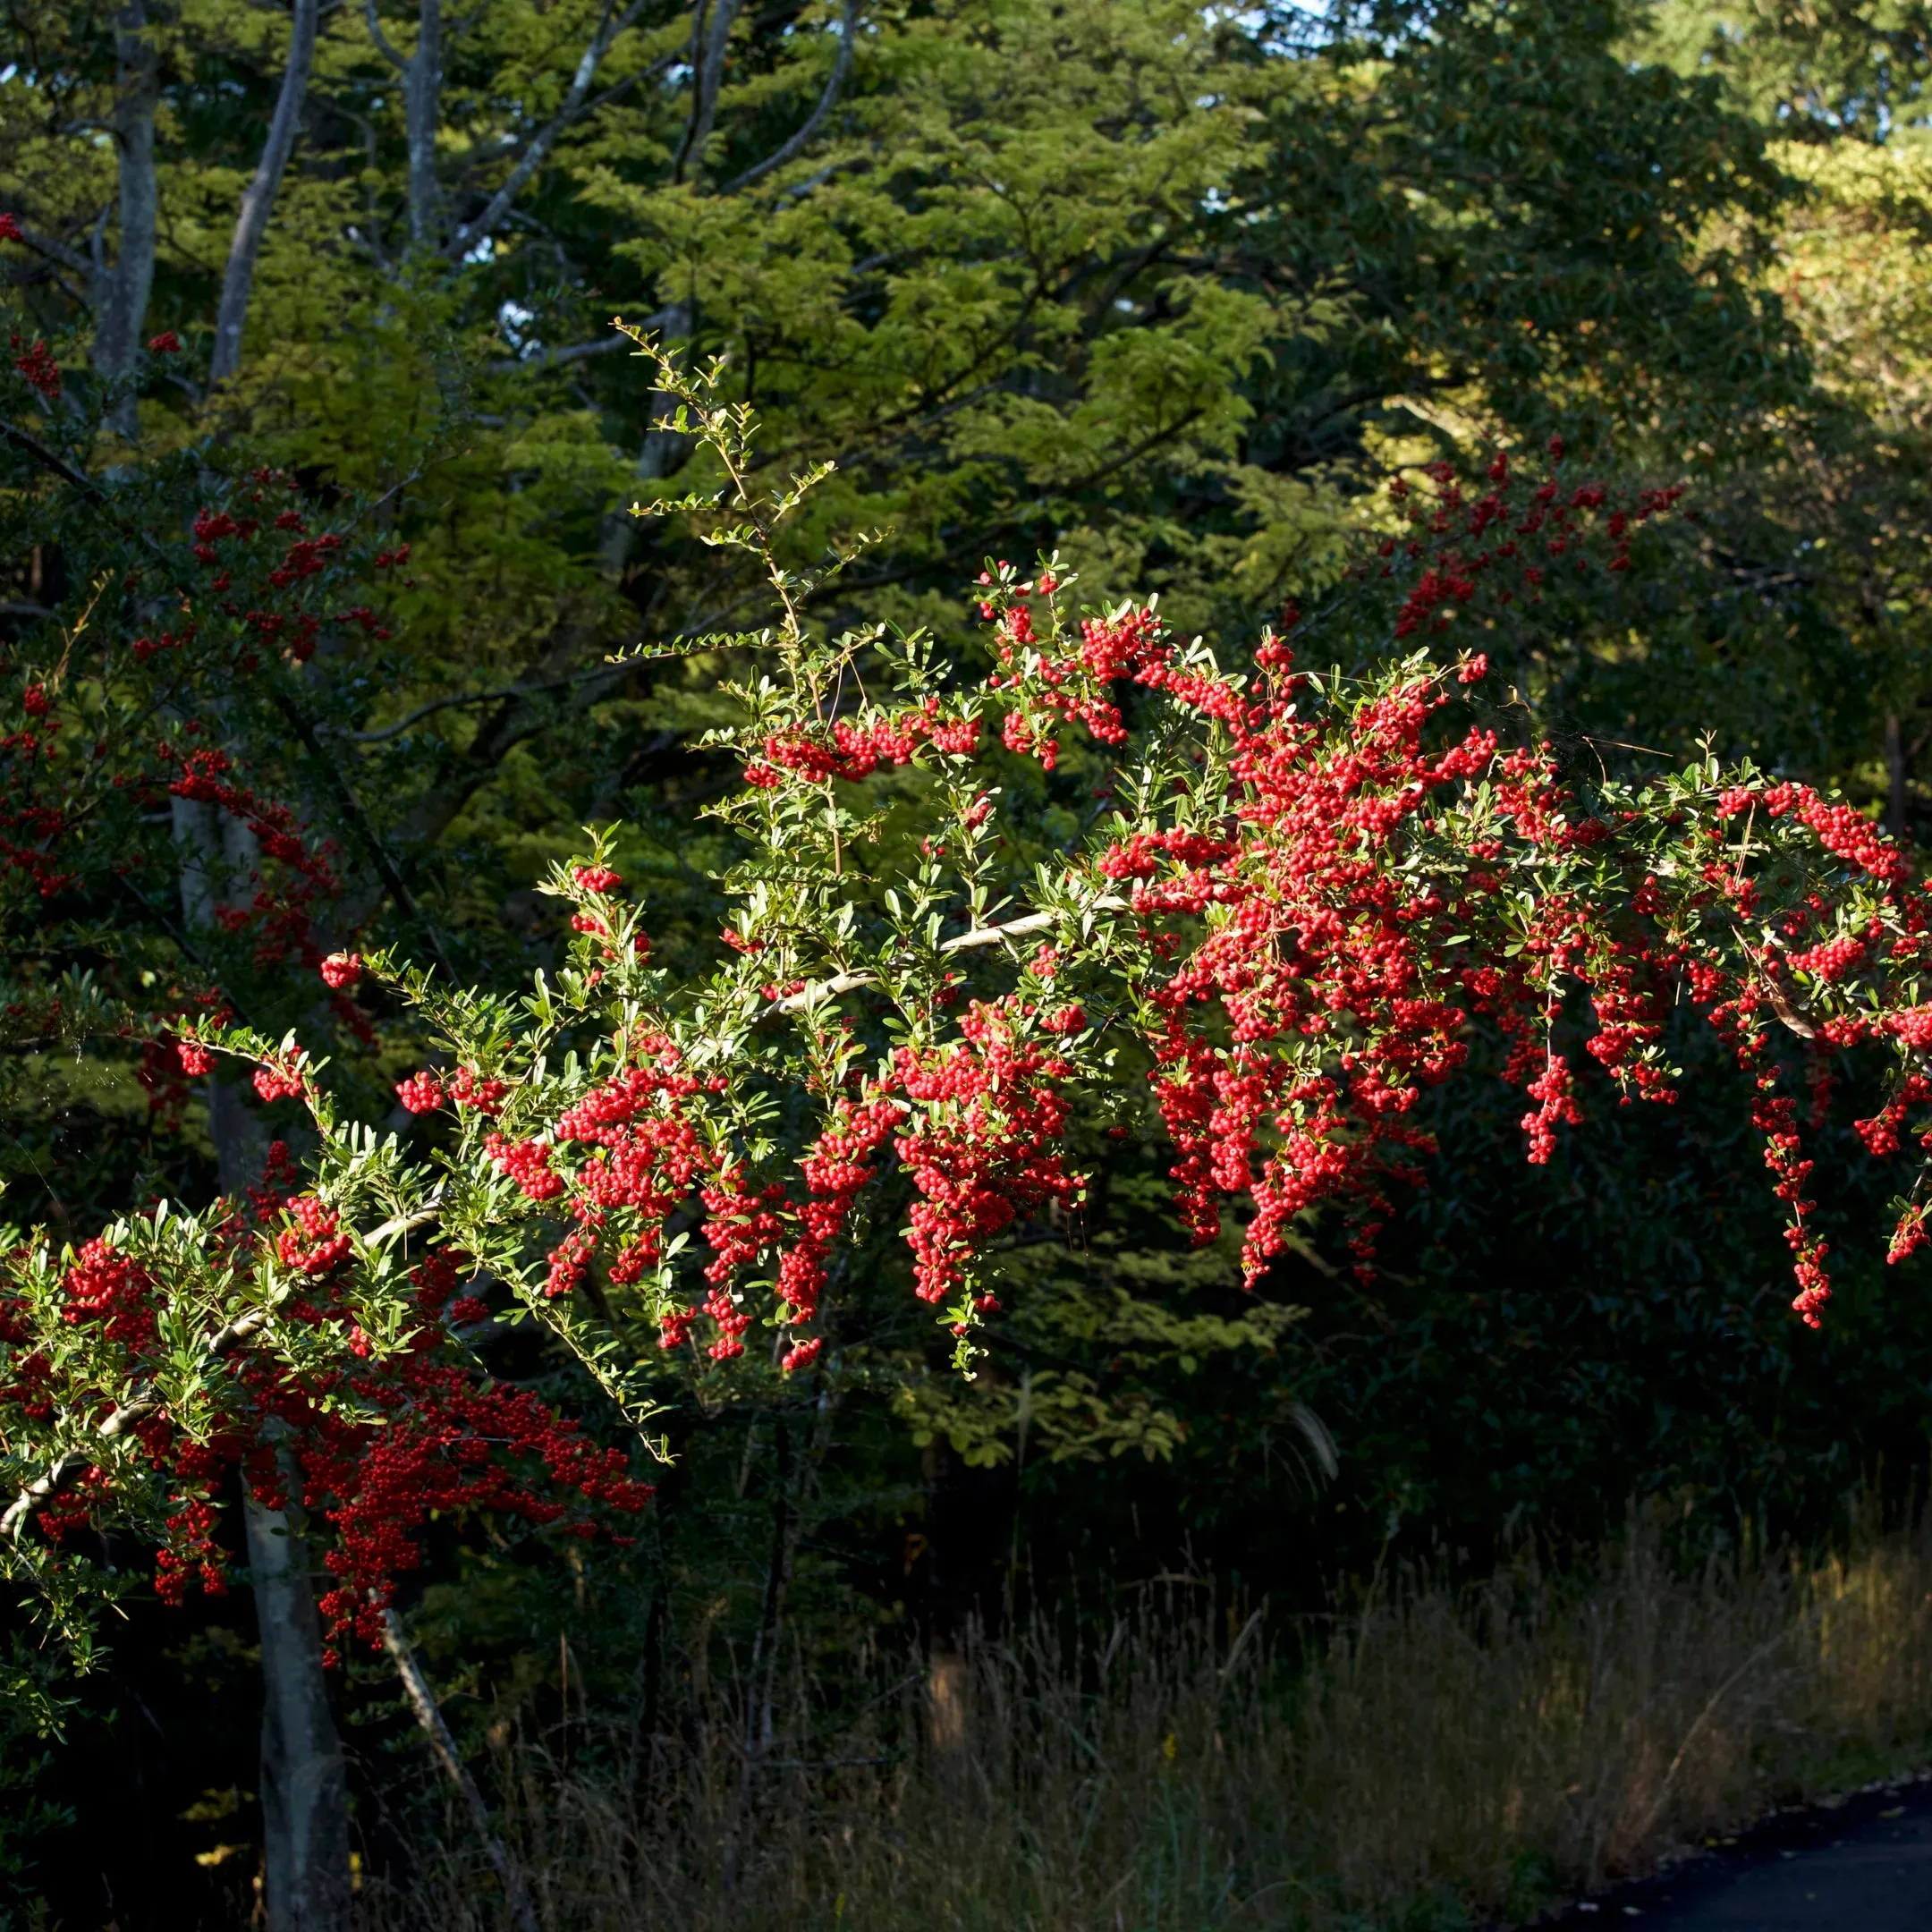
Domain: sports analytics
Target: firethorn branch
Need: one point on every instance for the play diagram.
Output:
(140, 1407)
(148, 1400)
(1303, 901)
(982, 936)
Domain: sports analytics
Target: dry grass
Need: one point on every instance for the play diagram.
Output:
(1438, 1758)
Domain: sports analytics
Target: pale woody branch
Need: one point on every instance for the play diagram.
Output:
(981, 935)
(68, 1468)
(72, 1464)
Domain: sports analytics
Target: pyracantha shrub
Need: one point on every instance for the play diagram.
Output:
(1299, 897)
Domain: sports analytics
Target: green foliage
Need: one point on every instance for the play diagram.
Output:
(1170, 294)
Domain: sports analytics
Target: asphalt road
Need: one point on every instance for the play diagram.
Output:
(1861, 1866)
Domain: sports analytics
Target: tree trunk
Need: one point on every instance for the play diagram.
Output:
(969, 1531)
(304, 1793)
(258, 199)
(120, 300)
(708, 77)
(423, 98)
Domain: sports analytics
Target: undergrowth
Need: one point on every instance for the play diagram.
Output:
(1437, 1757)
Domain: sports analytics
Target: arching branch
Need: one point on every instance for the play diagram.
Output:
(383, 44)
(835, 86)
(708, 65)
(471, 233)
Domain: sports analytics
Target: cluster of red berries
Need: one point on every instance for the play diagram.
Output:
(282, 1078)
(1470, 551)
(424, 1092)
(981, 1143)
(854, 749)
(445, 1443)
(1316, 906)
(836, 1170)
(35, 361)
(315, 1244)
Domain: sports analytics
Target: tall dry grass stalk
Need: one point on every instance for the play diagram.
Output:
(1434, 1759)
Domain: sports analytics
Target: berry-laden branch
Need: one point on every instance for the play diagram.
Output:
(1309, 895)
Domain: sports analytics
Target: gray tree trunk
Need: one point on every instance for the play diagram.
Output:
(258, 199)
(422, 100)
(120, 297)
(662, 448)
(422, 113)
(304, 1793)
(708, 76)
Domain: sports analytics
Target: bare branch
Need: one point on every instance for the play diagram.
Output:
(579, 351)
(467, 237)
(471, 698)
(53, 460)
(56, 252)
(835, 86)
(49, 458)
(671, 320)
(965, 942)
(422, 1701)
(404, 1223)
(381, 40)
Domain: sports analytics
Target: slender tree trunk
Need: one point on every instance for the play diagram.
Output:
(764, 1673)
(258, 199)
(122, 300)
(304, 1793)
(197, 848)
(968, 1529)
(761, 1678)
(662, 447)
(422, 96)
(946, 1657)
(708, 50)
(792, 1490)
